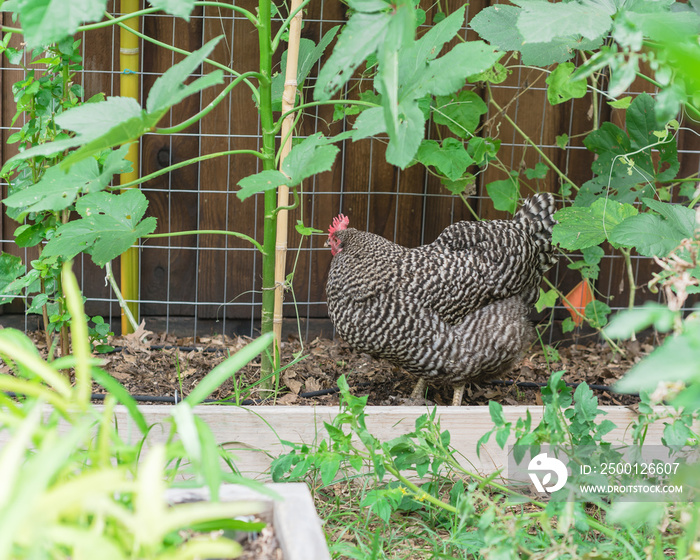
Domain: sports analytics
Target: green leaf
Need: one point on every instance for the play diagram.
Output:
(313, 155)
(362, 35)
(649, 234)
(562, 87)
(178, 8)
(11, 268)
(539, 172)
(451, 159)
(409, 134)
(461, 113)
(226, 369)
(170, 89)
(369, 123)
(458, 186)
(541, 22)
(505, 193)
(546, 300)
(562, 140)
(583, 227)
(49, 21)
(110, 224)
(309, 54)
(260, 182)
(622, 103)
(57, 190)
(447, 74)
(567, 325)
(626, 323)
(596, 313)
(675, 360)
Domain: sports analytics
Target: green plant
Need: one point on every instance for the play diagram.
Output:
(417, 479)
(74, 484)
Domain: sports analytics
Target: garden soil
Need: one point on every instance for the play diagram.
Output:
(160, 365)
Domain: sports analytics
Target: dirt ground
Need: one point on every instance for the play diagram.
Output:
(170, 366)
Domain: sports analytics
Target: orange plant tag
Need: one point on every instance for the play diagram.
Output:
(577, 300)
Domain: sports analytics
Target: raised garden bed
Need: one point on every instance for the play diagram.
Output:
(254, 435)
(296, 529)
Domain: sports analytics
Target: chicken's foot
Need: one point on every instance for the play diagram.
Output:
(458, 394)
(419, 389)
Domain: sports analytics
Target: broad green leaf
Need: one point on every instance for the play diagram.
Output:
(50, 21)
(409, 135)
(546, 300)
(89, 121)
(309, 54)
(170, 89)
(562, 87)
(110, 224)
(119, 120)
(582, 227)
(680, 217)
(497, 25)
(451, 159)
(541, 22)
(447, 74)
(596, 313)
(562, 140)
(461, 113)
(178, 8)
(369, 123)
(428, 47)
(675, 360)
(626, 323)
(362, 35)
(539, 172)
(11, 268)
(57, 190)
(263, 181)
(650, 234)
(505, 194)
(622, 103)
(313, 155)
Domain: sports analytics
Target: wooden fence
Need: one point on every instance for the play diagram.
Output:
(214, 277)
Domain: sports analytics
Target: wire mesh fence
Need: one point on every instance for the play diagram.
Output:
(203, 284)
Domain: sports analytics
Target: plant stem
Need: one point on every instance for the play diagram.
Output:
(627, 254)
(120, 298)
(303, 106)
(185, 163)
(525, 137)
(183, 51)
(195, 118)
(208, 231)
(270, 198)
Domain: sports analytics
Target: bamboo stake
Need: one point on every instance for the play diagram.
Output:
(129, 60)
(288, 100)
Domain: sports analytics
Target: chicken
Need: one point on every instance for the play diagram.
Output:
(455, 310)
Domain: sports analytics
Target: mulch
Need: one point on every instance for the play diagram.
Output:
(166, 365)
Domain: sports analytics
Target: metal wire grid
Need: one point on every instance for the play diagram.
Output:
(304, 302)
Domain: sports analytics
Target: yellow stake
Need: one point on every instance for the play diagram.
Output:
(129, 60)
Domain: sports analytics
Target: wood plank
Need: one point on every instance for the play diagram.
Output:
(294, 517)
(254, 435)
(170, 274)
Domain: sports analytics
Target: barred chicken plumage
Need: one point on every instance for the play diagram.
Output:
(455, 310)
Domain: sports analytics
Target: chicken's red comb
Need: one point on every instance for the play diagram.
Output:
(339, 222)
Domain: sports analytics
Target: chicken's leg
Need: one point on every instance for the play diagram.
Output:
(419, 389)
(458, 394)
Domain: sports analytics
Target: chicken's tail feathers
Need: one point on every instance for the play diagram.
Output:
(537, 216)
